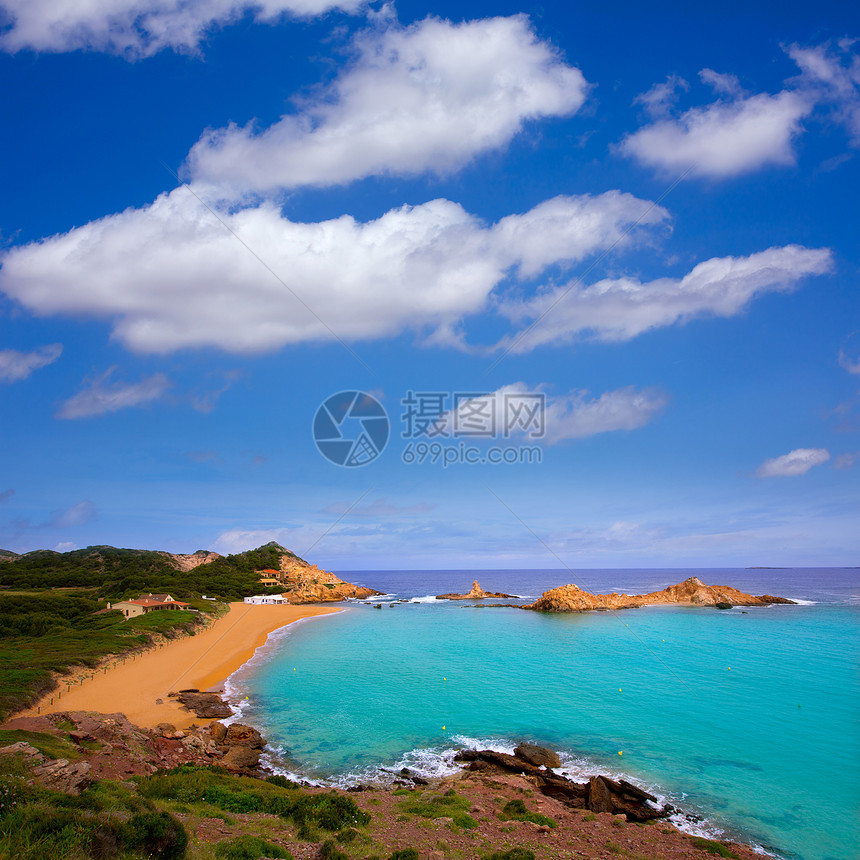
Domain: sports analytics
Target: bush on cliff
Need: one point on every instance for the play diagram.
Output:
(516, 810)
(448, 805)
(249, 848)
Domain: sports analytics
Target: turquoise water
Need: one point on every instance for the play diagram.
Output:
(748, 720)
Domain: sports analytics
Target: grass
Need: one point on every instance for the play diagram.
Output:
(213, 786)
(249, 848)
(448, 805)
(512, 854)
(49, 745)
(516, 810)
(713, 847)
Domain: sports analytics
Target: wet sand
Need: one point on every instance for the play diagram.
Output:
(203, 661)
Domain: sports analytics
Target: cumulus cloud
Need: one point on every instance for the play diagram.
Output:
(170, 275)
(551, 419)
(739, 132)
(621, 308)
(723, 139)
(15, 365)
(100, 395)
(139, 28)
(797, 462)
(427, 97)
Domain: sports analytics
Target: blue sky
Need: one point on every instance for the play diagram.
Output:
(216, 214)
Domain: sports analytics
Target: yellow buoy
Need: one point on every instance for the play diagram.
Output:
(620, 753)
(443, 728)
(444, 679)
(619, 689)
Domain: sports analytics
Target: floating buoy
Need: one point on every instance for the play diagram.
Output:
(294, 668)
(620, 753)
(730, 668)
(444, 679)
(619, 689)
(443, 728)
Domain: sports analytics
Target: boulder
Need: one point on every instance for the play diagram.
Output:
(243, 736)
(538, 756)
(240, 759)
(599, 798)
(217, 731)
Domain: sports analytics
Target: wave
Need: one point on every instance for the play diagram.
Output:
(801, 602)
(438, 762)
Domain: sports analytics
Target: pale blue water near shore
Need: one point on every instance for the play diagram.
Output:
(748, 719)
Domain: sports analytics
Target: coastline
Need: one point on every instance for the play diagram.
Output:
(202, 661)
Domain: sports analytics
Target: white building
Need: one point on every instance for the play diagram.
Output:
(267, 599)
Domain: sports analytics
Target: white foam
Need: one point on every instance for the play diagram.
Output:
(801, 602)
(430, 598)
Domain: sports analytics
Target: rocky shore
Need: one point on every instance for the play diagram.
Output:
(691, 592)
(501, 807)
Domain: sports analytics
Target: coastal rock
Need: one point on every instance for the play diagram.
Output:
(692, 591)
(57, 774)
(476, 593)
(217, 731)
(538, 756)
(243, 736)
(240, 759)
(204, 705)
(599, 794)
(307, 583)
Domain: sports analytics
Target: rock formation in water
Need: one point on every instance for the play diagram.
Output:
(692, 591)
(477, 593)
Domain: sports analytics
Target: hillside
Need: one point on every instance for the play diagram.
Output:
(49, 604)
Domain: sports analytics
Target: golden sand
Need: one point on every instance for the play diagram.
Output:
(203, 661)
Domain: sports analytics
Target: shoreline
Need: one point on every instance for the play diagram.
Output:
(138, 687)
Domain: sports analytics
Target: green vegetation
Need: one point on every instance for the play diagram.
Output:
(330, 851)
(249, 848)
(516, 810)
(105, 821)
(712, 847)
(124, 573)
(49, 745)
(405, 854)
(215, 787)
(512, 854)
(48, 601)
(448, 805)
(44, 633)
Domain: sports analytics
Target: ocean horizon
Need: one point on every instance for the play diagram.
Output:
(743, 719)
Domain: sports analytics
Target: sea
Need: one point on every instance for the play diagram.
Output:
(746, 719)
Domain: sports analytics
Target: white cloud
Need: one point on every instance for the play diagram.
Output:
(739, 133)
(721, 83)
(622, 308)
(575, 415)
(726, 138)
(139, 28)
(661, 98)
(849, 364)
(831, 75)
(427, 97)
(171, 276)
(101, 396)
(65, 546)
(15, 365)
(76, 515)
(797, 462)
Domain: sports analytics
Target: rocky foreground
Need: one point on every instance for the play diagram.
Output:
(690, 592)
(499, 807)
(476, 593)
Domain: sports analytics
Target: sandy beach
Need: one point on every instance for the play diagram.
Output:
(203, 661)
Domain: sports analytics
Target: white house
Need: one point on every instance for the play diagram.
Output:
(267, 599)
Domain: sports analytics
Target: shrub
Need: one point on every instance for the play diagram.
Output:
(516, 810)
(713, 847)
(159, 834)
(329, 851)
(512, 854)
(249, 848)
(405, 854)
